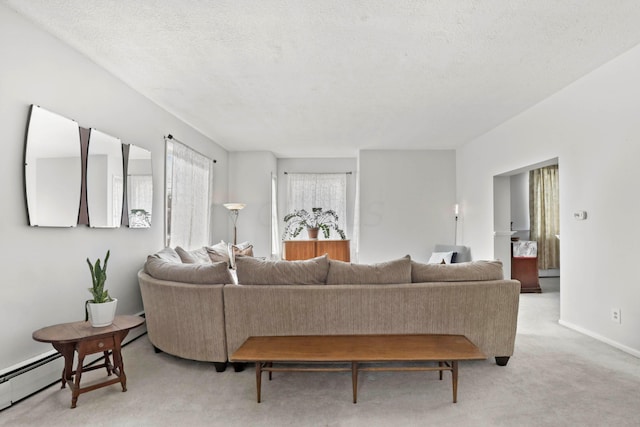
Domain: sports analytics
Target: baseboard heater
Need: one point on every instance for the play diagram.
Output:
(34, 375)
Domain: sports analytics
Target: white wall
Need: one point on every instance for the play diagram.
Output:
(407, 200)
(592, 127)
(250, 183)
(44, 273)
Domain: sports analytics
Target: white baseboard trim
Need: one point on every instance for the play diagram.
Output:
(599, 337)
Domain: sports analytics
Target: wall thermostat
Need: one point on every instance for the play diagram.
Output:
(580, 215)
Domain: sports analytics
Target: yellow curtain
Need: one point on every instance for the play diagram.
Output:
(544, 215)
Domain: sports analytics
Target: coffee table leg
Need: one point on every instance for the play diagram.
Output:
(440, 365)
(454, 379)
(258, 379)
(354, 380)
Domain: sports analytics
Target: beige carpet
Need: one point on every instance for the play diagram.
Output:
(556, 377)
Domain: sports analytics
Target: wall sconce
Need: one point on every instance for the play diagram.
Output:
(234, 211)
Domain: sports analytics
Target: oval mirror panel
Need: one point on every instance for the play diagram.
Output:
(53, 169)
(105, 190)
(139, 187)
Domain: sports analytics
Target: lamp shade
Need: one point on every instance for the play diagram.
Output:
(234, 206)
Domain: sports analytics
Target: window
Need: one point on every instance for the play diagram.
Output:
(275, 231)
(188, 191)
(319, 190)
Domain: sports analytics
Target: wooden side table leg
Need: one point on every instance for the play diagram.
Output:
(119, 364)
(258, 379)
(454, 379)
(75, 390)
(107, 363)
(441, 365)
(66, 350)
(354, 380)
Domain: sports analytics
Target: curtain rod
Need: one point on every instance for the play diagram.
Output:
(318, 173)
(177, 140)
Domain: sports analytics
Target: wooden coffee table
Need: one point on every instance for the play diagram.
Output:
(68, 338)
(447, 350)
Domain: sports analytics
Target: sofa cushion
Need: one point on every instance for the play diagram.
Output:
(168, 254)
(193, 257)
(256, 271)
(396, 271)
(199, 273)
(463, 272)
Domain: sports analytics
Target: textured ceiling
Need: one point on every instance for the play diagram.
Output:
(325, 78)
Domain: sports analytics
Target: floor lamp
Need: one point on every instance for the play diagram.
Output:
(234, 211)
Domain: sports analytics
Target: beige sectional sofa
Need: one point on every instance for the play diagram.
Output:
(209, 321)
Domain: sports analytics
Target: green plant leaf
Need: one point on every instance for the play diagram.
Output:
(98, 279)
(317, 218)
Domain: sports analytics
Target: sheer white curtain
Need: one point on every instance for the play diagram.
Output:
(275, 223)
(319, 190)
(188, 196)
(355, 236)
(544, 215)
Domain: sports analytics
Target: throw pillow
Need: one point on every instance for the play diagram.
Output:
(168, 254)
(438, 257)
(462, 272)
(199, 273)
(217, 257)
(256, 271)
(227, 252)
(396, 271)
(193, 257)
(243, 249)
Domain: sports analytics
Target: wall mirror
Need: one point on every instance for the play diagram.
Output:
(139, 187)
(53, 169)
(105, 190)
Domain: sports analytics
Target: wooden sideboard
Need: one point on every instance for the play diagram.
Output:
(525, 269)
(305, 249)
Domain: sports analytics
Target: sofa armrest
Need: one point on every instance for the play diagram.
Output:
(186, 320)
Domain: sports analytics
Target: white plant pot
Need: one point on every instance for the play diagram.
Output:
(101, 315)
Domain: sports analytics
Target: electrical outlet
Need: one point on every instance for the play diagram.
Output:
(616, 315)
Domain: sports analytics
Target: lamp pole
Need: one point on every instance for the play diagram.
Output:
(234, 211)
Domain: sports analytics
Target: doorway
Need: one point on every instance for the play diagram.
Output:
(512, 222)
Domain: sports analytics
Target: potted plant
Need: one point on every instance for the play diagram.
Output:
(100, 310)
(317, 219)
